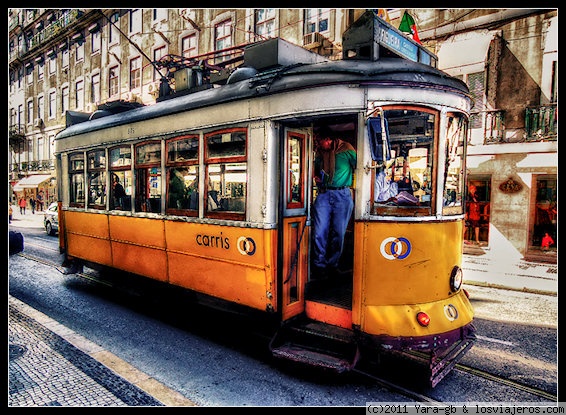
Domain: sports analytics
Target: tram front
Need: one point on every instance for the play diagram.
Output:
(408, 295)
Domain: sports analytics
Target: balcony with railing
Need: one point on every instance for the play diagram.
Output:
(67, 19)
(540, 125)
(494, 126)
(541, 122)
(34, 166)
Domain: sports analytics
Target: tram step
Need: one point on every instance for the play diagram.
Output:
(316, 344)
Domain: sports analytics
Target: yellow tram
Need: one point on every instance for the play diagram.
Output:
(217, 189)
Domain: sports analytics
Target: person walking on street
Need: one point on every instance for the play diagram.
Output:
(22, 203)
(32, 204)
(39, 201)
(334, 168)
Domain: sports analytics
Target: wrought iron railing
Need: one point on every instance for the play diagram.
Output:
(494, 126)
(32, 166)
(541, 122)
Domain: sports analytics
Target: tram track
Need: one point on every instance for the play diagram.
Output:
(508, 382)
(389, 385)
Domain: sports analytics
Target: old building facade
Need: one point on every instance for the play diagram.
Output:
(68, 62)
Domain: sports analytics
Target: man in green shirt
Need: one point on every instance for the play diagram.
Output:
(334, 168)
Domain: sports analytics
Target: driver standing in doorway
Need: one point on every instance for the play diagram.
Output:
(334, 168)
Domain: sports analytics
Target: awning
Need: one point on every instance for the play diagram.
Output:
(465, 53)
(31, 182)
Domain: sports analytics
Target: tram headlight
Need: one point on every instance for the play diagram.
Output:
(456, 278)
(423, 318)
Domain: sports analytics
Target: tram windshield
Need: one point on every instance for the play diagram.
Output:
(404, 156)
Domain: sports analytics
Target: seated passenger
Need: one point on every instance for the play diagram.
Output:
(385, 188)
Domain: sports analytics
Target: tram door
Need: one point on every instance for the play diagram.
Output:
(295, 225)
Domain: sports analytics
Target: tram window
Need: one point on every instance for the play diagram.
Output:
(148, 177)
(295, 154)
(227, 187)
(183, 176)
(97, 179)
(120, 165)
(226, 172)
(456, 134)
(76, 178)
(404, 184)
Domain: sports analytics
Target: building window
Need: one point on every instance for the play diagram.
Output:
(79, 95)
(29, 74)
(158, 54)
(76, 179)
(121, 182)
(226, 173)
(148, 177)
(95, 41)
(40, 70)
(316, 20)
(135, 23)
(113, 85)
(95, 88)
(40, 106)
(135, 73)
(265, 23)
(64, 99)
(183, 175)
(476, 84)
(30, 112)
(65, 58)
(223, 39)
(189, 46)
(544, 231)
(80, 51)
(40, 148)
(159, 15)
(96, 179)
(52, 64)
(478, 213)
(113, 33)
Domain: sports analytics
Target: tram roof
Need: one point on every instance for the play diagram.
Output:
(383, 72)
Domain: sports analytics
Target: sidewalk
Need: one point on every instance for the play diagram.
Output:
(50, 365)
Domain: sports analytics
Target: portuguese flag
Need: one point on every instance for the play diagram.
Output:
(408, 25)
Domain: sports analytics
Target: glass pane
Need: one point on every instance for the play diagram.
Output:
(121, 188)
(148, 153)
(182, 150)
(77, 188)
(76, 162)
(227, 187)
(226, 144)
(294, 189)
(183, 188)
(406, 179)
(96, 159)
(97, 188)
(454, 166)
(121, 156)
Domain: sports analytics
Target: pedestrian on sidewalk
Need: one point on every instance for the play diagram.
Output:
(22, 203)
(39, 201)
(32, 203)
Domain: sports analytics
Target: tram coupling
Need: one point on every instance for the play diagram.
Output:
(317, 344)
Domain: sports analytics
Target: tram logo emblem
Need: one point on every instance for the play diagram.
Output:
(246, 245)
(450, 312)
(395, 248)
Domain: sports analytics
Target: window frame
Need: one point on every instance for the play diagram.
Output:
(223, 161)
(187, 163)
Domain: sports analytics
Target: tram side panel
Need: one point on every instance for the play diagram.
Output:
(405, 268)
(232, 263)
